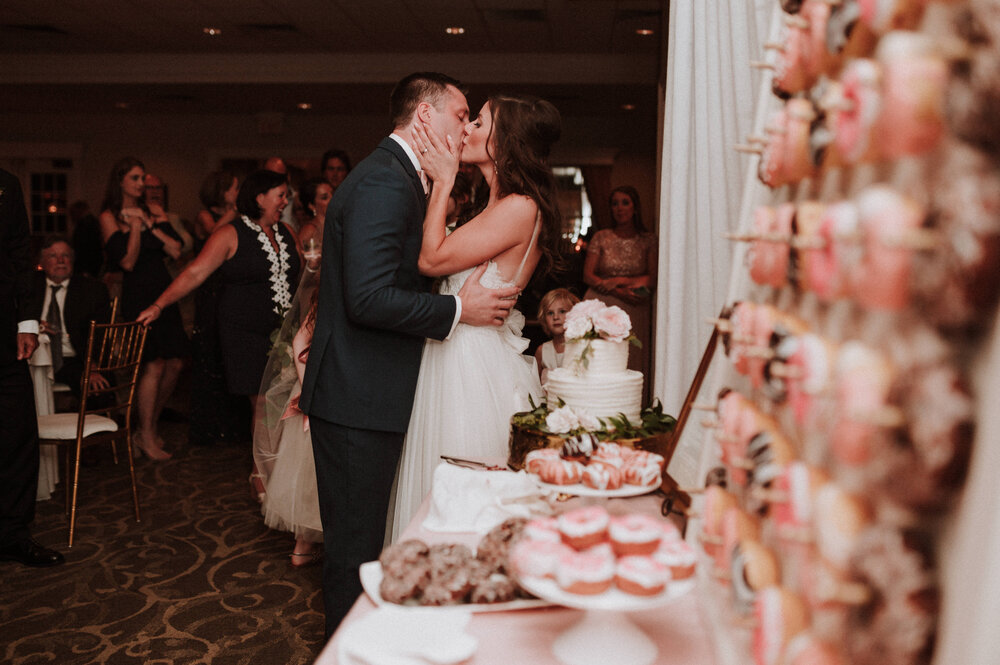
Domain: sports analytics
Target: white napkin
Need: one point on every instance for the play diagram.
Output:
(470, 500)
(393, 635)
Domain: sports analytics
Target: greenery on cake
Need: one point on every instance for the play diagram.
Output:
(592, 319)
(566, 422)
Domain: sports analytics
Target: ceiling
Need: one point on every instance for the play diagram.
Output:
(340, 56)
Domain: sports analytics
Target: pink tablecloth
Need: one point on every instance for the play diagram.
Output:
(526, 636)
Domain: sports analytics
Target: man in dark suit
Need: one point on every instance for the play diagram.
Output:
(78, 301)
(18, 427)
(375, 310)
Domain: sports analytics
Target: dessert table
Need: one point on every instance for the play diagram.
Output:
(527, 635)
(40, 364)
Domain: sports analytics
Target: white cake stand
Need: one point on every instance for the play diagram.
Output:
(605, 634)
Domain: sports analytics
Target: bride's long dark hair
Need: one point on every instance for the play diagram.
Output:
(523, 131)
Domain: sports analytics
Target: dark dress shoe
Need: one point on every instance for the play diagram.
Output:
(31, 553)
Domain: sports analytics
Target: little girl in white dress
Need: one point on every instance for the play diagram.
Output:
(552, 311)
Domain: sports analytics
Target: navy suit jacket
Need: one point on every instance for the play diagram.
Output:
(375, 309)
(15, 265)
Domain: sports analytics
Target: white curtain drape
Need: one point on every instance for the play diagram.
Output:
(710, 100)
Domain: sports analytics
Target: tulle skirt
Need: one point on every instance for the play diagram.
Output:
(468, 388)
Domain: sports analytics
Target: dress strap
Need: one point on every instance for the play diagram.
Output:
(531, 244)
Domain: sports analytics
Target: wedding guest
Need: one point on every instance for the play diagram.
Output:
(620, 269)
(258, 262)
(335, 167)
(86, 240)
(65, 304)
(216, 415)
(18, 426)
(156, 195)
(552, 309)
(282, 442)
(137, 238)
(316, 194)
(218, 198)
(278, 165)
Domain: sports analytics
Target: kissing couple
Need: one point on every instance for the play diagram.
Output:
(395, 370)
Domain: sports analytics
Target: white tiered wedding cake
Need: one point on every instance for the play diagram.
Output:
(594, 377)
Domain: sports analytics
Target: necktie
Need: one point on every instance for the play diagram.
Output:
(54, 318)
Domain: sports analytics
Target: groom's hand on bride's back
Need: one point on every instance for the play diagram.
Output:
(482, 306)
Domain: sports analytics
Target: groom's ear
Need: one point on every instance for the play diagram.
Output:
(424, 111)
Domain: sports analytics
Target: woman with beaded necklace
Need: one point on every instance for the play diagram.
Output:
(258, 262)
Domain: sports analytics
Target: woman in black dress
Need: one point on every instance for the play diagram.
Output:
(257, 261)
(137, 238)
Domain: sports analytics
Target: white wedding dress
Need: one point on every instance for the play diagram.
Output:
(468, 388)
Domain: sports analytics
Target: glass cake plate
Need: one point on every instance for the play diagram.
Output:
(605, 634)
(579, 489)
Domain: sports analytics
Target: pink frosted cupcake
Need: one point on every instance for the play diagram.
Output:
(585, 573)
(584, 527)
(641, 575)
(635, 535)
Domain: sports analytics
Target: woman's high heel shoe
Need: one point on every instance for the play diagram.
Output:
(149, 449)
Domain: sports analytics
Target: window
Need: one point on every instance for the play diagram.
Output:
(573, 202)
(47, 204)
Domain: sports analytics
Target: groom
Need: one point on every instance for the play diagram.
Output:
(375, 310)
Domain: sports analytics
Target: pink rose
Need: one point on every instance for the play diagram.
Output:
(612, 323)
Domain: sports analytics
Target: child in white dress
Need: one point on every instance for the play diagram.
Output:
(552, 311)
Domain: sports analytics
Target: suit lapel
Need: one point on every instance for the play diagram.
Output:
(404, 159)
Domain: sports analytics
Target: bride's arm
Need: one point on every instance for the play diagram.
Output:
(486, 236)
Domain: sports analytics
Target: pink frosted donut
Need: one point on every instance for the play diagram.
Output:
(813, 359)
(823, 271)
(536, 459)
(863, 381)
(884, 15)
(790, 69)
(807, 649)
(884, 215)
(641, 575)
(737, 425)
(560, 472)
(635, 535)
(771, 169)
(817, 58)
(768, 255)
(796, 486)
(781, 615)
(737, 525)
(840, 518)
(646, 474)
(678, 556)
(798, 162)
(544, 528)
(537, 558)
(602, 475)
(584, 527)
(852, 123)
(609, 453)
(914, 83)
(716, 502)
(585, 573)
(764, 318)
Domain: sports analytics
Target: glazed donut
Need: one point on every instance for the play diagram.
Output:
(585, 573)
(678, 556)
(609, 453)
(824, 267)
(537, 558)
(798, 163)
(863, 381)
(793, 497)
(772, 170)
(560, 472)
(601, 475)
(584, 527)
(716, 502)
(635, 535)
(768, 255)
(884, 15)
(817, 59)
(914, 82)
(641, 575)
(811, 360)
(536, 459)
(790, 75)
(644, 474)
(542, 528)
(853, 118)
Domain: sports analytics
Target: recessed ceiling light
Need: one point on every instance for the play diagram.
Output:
(212, 32)
(121, 105)
(304, 106)
(455, 30)
(645, 32)
(628, 107)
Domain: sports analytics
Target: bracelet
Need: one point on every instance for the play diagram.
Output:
(157, 307)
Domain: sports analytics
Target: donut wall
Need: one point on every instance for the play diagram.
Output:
(839, 414)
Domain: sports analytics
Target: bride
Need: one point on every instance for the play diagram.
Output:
(471, 384)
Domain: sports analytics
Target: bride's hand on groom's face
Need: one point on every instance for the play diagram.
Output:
(438, 157)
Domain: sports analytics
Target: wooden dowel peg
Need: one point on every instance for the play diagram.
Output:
(742, 463)
(769, 495)
(774, 46)
(709, 424)
(844, 593)
(920, 240)
(760, 352)
(723, 325)
(748, 148)
(756, 138)
(808, 242)
(883, 416)
(760, 64)
(783, 371)
(794, 21)
(709, 538)
(704, 407)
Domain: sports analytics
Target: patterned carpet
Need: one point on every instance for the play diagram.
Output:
(199, 580)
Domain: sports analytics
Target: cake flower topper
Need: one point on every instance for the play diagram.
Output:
(565, 419)
(592, 319)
